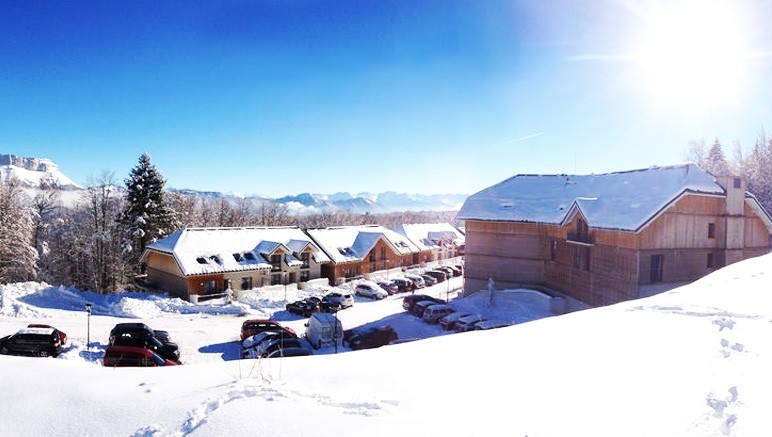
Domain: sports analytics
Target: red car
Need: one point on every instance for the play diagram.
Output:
(256, 326)
(128, 356)
(62, 335)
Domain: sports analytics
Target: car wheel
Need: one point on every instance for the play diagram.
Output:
(43, 353)
(4, 351)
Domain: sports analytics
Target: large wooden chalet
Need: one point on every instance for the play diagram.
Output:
(206, 261)
(610, 237)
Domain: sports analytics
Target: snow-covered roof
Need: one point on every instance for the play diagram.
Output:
(212, 250)
(428, 236)
(353, 243)
(623, 200)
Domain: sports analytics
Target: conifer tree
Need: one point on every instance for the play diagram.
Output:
(146, 214)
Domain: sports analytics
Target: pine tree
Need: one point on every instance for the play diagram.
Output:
(146, 214)
(716, 162)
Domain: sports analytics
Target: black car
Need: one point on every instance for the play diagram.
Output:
(169, 350)
(409, 301)
(369, 338)
(36, 342)
(404, 285)
(304, 307)
(138, 328)
(439, 275)
(139, 332)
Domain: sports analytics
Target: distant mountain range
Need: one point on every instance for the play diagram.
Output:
(32, 172)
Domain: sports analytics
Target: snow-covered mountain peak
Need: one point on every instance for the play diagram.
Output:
(33, 172)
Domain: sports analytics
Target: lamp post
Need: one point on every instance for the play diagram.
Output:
(88, 324)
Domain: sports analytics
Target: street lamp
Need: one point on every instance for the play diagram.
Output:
(88, 324)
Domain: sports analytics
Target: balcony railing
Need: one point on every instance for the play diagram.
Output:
(584, 238)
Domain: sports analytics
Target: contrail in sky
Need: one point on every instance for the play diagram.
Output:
(520, 139)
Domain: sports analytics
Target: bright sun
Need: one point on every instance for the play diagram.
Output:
(693, 54)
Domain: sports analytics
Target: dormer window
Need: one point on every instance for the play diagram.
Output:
(238, 258)
(202, 260)
(249, 256)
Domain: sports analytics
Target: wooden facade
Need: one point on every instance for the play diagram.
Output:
(273, 263)
(690, 237)
(381, 257)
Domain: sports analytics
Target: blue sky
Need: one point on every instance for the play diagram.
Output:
(276, 97)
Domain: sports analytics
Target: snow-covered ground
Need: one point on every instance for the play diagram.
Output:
(694, 361)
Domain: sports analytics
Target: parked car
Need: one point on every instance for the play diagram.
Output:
(490, 324)
(273, 344)
(138, 329)
(420, 307)
(336, 301)
(389, 286)
(370, 289)
(34, 342)
(288, 352)
(467, 323)
(305, 307)
(256, 326)
(448, 322)
(168, 351)
(409, 301)
(404, 285)
(370, 338)
(254, 341)
(429, 280)
(418, 281)
(433, 313)
(62, 335)
(439, 275)
(323, 329)
(128, 356)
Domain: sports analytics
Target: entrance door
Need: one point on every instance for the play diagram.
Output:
(656, 268)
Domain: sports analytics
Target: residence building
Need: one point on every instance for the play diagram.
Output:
(435, 241)
(357, 251)
(611, 237)
(207, 261)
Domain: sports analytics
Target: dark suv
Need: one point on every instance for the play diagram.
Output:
(141, 335)
(139, 329)
(36, 342)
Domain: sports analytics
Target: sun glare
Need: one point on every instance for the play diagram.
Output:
(693, 54)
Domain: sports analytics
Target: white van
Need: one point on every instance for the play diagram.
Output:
(434, 313)
(324, 329)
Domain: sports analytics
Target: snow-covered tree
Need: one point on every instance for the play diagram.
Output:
(716, 162)
(18, 257)
(146, 214)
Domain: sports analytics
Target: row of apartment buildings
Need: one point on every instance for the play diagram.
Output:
(195, 262)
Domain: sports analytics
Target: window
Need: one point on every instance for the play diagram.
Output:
(372, 255)
(237, 257)
(383, 253)
(582, 258)
(656, 266)
(249, 256)
(304, 275)
(372, 267)
(711, 230)
(202, 260)
(246, 283)
(711, 261)
(210, 287)
(738, 183)
(276, 262)
(347, 272)
(276, 279)
(305, 258)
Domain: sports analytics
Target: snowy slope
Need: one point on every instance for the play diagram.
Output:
(690, 362)
(32, 171)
